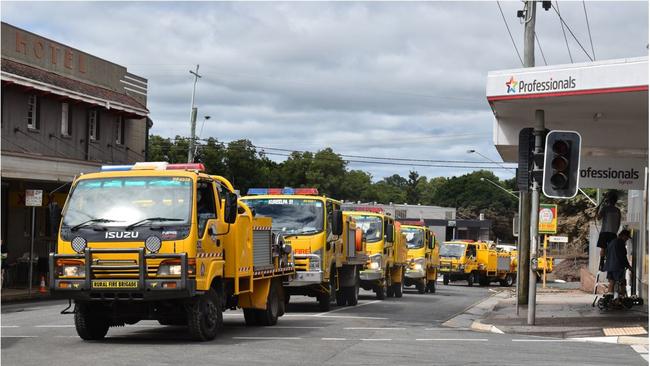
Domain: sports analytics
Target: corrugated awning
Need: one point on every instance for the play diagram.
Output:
(21, 74)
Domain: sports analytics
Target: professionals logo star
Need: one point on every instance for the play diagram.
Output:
(512, 85)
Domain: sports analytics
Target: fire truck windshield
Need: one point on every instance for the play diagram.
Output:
(372, 227)
(290, 216)
(123, 201)
(414, 237)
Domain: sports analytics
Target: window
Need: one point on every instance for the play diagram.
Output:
(119, 131)
(66, 119)
(93, 125)
(205, 205)
(32, 112)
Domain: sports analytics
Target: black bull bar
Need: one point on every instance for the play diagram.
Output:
(81, 288)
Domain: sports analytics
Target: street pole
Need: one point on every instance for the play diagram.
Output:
(523, 274)
(30, 278)
(534, 215)
(190, 151)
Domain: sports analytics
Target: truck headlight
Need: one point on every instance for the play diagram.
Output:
(375, 262)
(418, 264)
(73, 271)
(314, 264)
(461, 267)
(169, 269)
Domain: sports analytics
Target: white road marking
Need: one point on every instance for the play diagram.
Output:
(9, 326)
(332, 316)
(361, 328)
(55, 326)
(453, 339)
(375, 339)
(348, 308)
(334, 339)
(448, 329)
(290, 327)
(72, 336)
(267, 338)
(18, 336)
(540, 340)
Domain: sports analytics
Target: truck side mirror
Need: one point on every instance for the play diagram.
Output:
(230, 208)
(432, 242)
(390, 235)
(337, 222)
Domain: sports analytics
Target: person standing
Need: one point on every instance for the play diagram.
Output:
(610, 217)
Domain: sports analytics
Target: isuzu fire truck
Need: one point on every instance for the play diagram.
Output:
(387, 252)
(423, 256)
(165, 242)
(328, 250)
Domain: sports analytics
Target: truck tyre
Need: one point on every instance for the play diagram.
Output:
(281, 299)
(470, 280)
(352, 294)
(421, 287)
(90, 326)
(250, 317)
(398, 288)
(445, 279)
(380, 291)
(341, 298)
(431, 286)
(205, 317)
(269, 316)
(483, 280)
(287, 298)
(507, 282)
(390, 290)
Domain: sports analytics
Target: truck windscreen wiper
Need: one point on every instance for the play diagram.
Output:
(150, 219)
(91, 221)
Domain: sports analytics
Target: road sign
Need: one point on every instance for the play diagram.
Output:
(547, 219)
(558, 239)
(33, 198)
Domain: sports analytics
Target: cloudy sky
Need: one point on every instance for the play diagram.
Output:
(403, 80)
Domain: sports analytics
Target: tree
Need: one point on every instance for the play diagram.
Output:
(327, 172)
(412, 192)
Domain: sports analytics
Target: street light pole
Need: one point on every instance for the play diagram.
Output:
(190, 151)
(501, 188)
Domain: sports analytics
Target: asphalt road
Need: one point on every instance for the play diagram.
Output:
(402, 331)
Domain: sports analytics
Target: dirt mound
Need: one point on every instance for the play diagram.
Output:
(569, 269)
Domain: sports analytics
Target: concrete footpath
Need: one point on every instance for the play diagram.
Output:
(561, 313)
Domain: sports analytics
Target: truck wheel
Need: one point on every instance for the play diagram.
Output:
(287, 298)
(421, 287)
(398, 288)
(352, 294)
(431, 286)
(470, 280)
(281, 298)
(270, 315)
(250, 317)
(390, 290)
(90, 326)
(484, 280)
(506, 282)
(205, 317)
(380, 291)
(445, 279)
(341, 297)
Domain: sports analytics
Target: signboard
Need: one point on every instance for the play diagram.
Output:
(612, 173)
(33, 198)
(547, 219)
(558, 239)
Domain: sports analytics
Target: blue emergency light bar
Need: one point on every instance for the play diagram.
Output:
(116, 168)
(284, 191)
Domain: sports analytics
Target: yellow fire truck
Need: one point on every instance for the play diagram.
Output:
(423, 257)
(328, 252)
(476, 262)
(165, 242)
(387, 252)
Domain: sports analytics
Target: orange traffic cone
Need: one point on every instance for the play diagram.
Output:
(42, 288)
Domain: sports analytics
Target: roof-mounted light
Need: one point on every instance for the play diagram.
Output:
(190, 166)
(283, 191)
(153, 165)
(116, 168)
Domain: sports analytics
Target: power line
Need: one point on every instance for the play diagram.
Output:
(570, 31)
(584, 7)
(566, 41)
(540, 49)
(510, 33)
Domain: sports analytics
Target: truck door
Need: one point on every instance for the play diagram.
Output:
(206, 216)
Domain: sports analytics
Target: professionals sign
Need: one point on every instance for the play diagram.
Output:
(612, 173)
(547, 219)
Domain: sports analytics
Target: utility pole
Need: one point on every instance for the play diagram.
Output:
(190, 151)
(523, 275)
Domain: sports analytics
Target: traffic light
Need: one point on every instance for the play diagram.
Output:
(561, 164)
